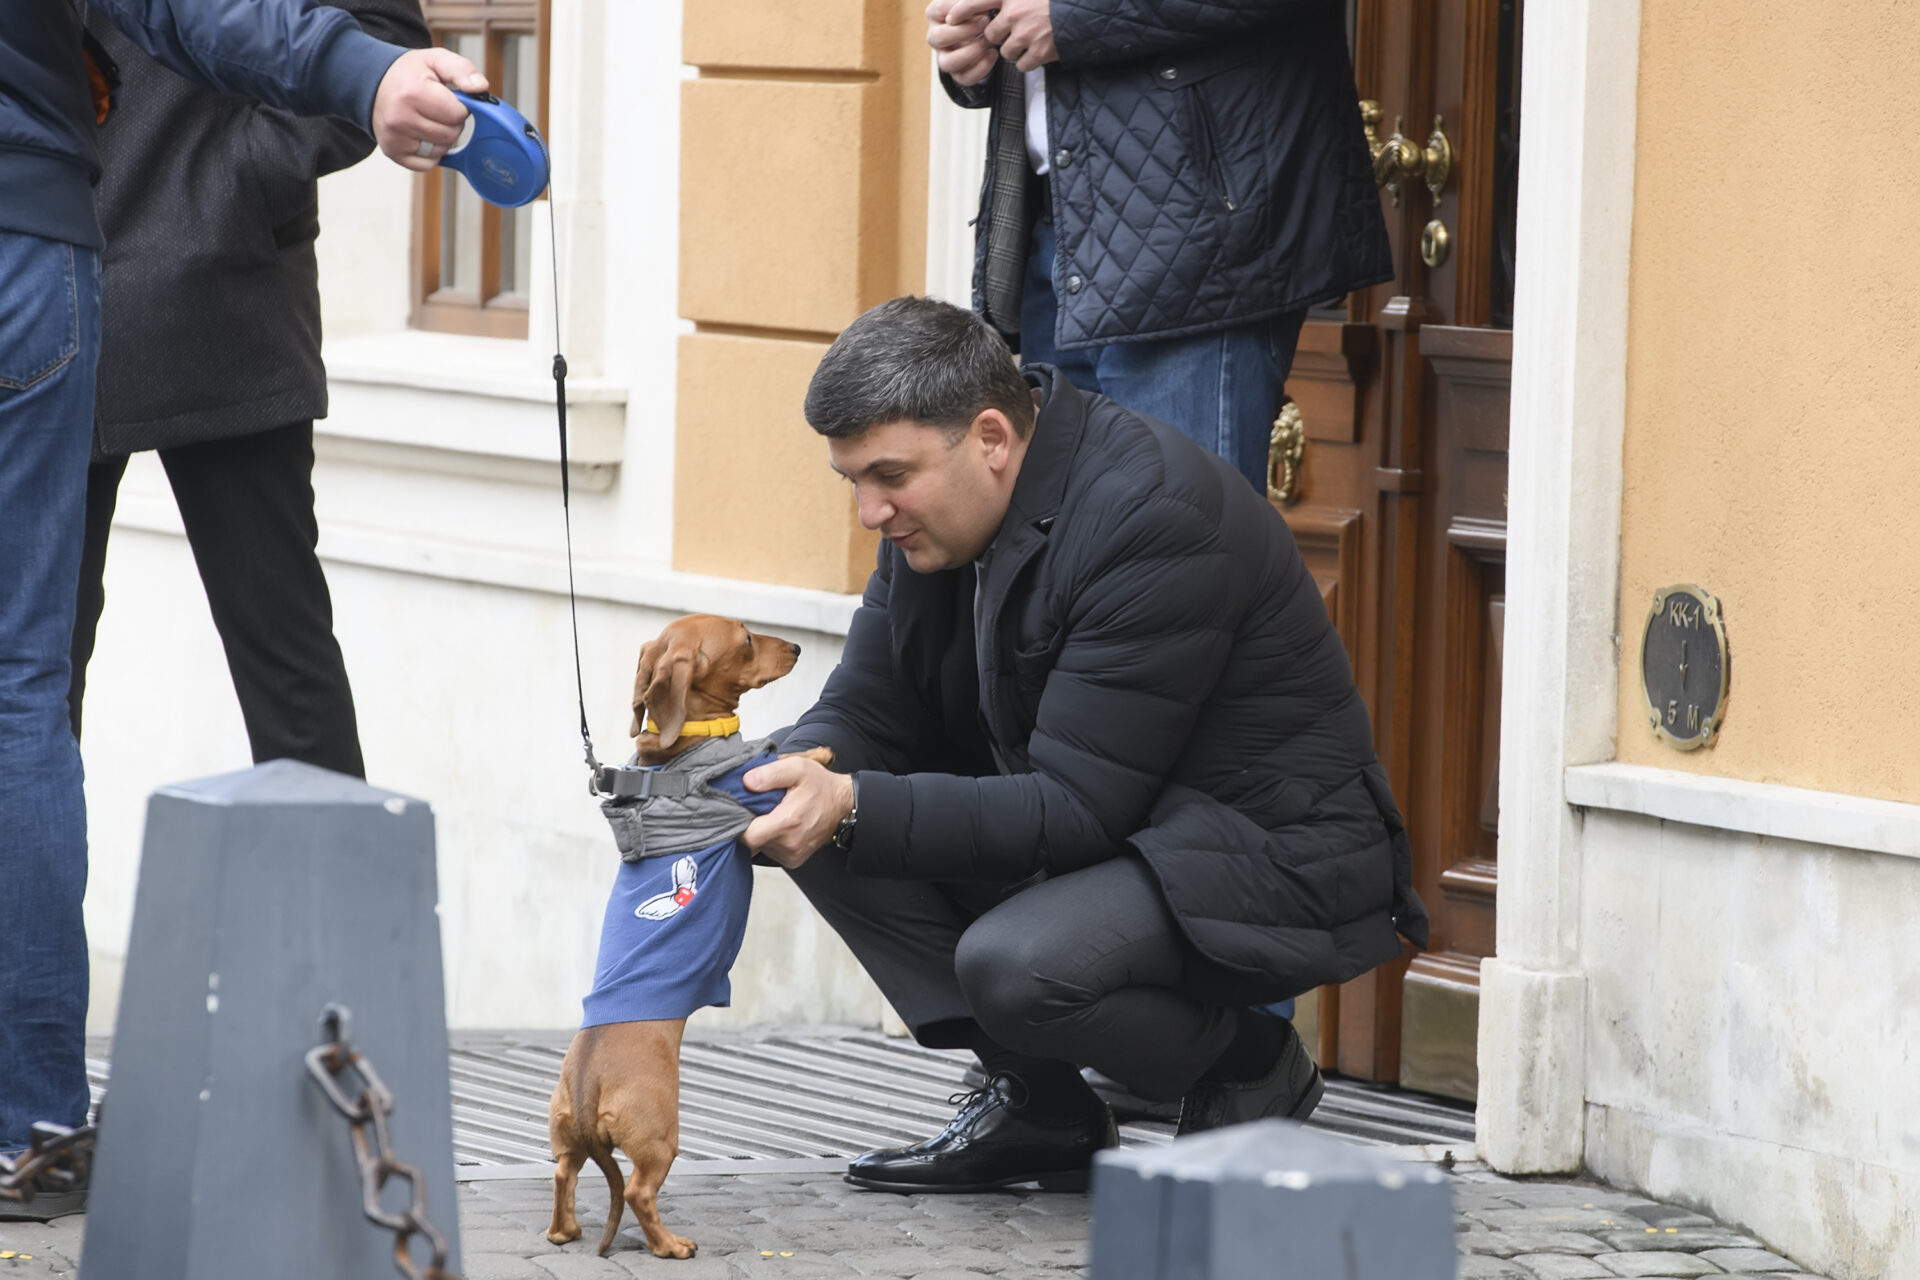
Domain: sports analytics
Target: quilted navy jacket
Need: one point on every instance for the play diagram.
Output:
(1159, 679)
(1209, 167)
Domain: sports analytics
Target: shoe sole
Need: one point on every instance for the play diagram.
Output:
(1314, 1093)
(44, 1207)
(1076, 1180)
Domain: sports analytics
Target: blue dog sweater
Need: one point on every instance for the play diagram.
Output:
(675, 923)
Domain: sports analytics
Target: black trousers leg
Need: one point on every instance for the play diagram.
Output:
(247, 504)
(903, 933)
(1088, 968)
(103, 493)
(1091, 967)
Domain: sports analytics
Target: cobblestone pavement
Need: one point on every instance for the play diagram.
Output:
(816, 1227)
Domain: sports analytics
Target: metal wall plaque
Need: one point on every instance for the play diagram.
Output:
(1684, 666)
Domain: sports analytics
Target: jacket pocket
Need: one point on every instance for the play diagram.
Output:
(39, 310)
(1206, 145)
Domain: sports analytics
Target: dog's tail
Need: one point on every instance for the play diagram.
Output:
(616, 1197)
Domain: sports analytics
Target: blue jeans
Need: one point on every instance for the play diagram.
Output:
(1220, 389)
(49, 345)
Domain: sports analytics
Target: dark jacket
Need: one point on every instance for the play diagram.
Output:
(313, 62)
(210, 298)
(1159, 678)
(1209, 167)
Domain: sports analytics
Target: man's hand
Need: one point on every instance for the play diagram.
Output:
(964, 52)
(817, 798)
(1022, 32)
(414, 106)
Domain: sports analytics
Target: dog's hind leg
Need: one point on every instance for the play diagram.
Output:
(566, 1173)
(651, 1160)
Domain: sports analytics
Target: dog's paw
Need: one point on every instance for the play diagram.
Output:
(819, 755)
(563, 1235)
(673, 1247)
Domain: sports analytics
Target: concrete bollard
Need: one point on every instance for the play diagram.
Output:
(1268, 1199)
(263, 897)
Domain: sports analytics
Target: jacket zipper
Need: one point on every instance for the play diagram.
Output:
(1204, 138)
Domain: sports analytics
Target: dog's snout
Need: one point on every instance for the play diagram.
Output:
(796, 648)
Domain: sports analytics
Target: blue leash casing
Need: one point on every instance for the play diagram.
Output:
(503, 158)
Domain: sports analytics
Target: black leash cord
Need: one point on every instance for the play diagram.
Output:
(566, 497)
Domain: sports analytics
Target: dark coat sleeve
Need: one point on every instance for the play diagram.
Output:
(311, 60)
(300, 149)
(1144, 641)
(867, 712)
(1094, 32)
(974, 96)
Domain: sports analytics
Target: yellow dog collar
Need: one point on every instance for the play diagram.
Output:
(719, 728)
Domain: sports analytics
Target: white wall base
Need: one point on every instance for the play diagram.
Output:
(1831, 1214)
(1532, 1074)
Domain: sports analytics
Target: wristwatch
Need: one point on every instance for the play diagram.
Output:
(843, 834)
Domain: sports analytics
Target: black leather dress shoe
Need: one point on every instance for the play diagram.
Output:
(991, 1145)
(1291, 1089)
(1123, 1102)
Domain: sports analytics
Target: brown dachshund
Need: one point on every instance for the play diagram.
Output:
(620, 1084)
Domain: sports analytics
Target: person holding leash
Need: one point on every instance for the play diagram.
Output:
(56, 86)
(1102, 779)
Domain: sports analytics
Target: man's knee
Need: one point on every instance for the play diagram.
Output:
(1011, 983)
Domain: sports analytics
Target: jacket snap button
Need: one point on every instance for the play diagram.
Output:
(1073, 284)
(1168, 73)
(1062, 158)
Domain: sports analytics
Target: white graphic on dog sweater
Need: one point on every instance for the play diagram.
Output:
(662, 905)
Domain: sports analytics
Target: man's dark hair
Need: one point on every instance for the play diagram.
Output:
(918, 360)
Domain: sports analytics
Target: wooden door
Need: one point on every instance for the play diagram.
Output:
(1398, 501)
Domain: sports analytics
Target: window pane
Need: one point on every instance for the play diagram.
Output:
(460, 208)
(519, 85)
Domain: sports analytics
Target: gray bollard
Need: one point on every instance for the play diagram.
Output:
(263, 897)
(1268, 1199)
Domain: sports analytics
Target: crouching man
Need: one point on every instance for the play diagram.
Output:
(1102, 782)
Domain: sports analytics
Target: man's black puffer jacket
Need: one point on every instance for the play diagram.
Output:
(1159, 679)
(1209, 167)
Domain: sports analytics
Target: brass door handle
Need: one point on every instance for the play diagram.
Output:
(1398, 157)
(1286, 450)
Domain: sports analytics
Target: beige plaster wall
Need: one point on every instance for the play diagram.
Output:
(1773, 382)
(803, 195)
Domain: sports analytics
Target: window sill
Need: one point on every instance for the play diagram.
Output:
(468, 404)
(1766, 809)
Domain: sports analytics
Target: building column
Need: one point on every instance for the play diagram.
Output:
(1579, 68)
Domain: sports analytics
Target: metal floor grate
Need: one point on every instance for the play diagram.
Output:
(817, 1094)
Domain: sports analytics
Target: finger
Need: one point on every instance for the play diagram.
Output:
(937, 11)
(997, 31)
(965, 10)
(450, 68)
(774, 775)
(759, 831)
(970, 67)
(948, 36)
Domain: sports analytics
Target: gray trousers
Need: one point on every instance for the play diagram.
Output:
(1088, 968)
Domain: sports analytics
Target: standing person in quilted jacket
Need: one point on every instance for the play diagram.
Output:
(1170, 185)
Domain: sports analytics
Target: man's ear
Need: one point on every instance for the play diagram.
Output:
(996, 436)
(666, 695)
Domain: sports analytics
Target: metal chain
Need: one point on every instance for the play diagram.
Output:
(58, 1158)
(327, 1062)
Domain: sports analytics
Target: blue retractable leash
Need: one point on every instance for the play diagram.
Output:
(505, 160)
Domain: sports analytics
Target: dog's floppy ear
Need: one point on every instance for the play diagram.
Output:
(642, 677)
(666, 693)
